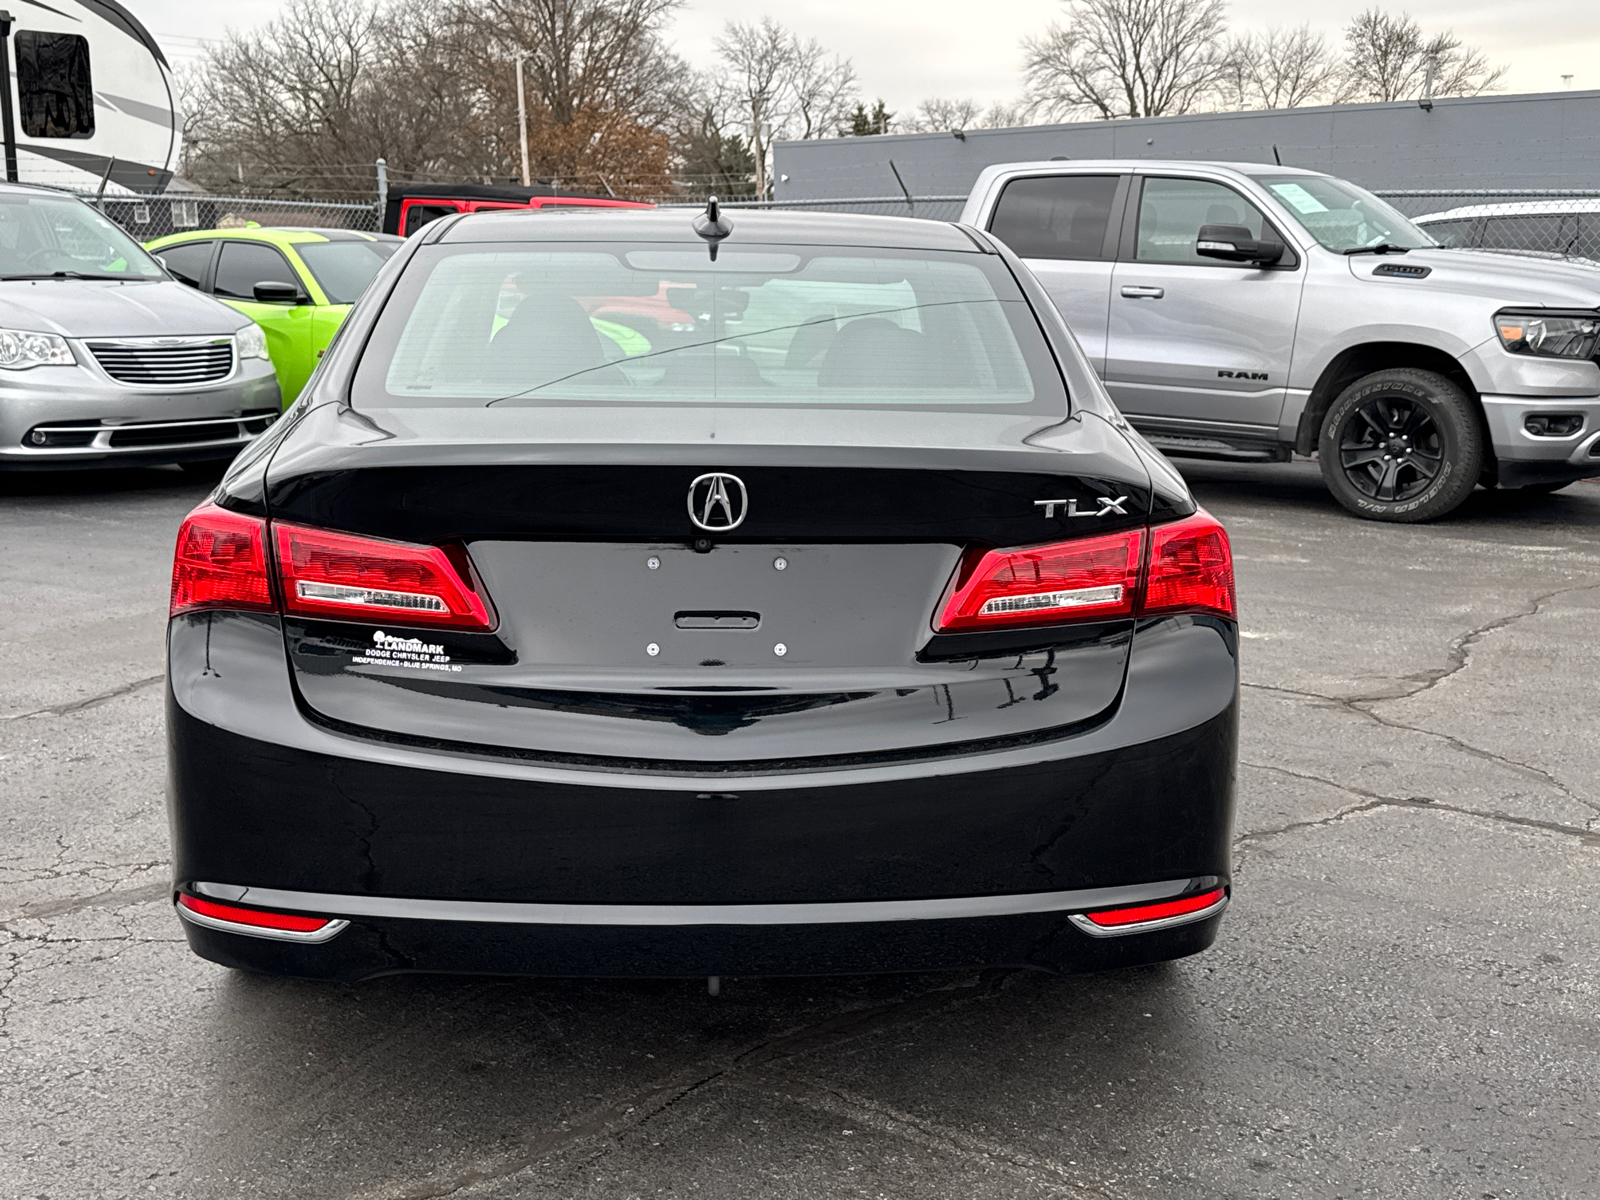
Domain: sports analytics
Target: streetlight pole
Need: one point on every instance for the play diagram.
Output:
(522, 123)
(761, 152)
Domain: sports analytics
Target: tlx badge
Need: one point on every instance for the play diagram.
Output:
(1107, 505)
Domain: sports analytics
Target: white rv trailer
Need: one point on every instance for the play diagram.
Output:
(90, 91)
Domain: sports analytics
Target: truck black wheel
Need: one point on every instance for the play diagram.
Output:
(1401, 445)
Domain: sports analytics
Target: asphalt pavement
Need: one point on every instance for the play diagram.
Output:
(1404, 1000)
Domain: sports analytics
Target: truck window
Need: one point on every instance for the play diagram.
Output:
(1454, 234)
(1553, 232)
(1055, 216)
(1172, 211)
(418, 215)
(1588, 243)
(53, 86)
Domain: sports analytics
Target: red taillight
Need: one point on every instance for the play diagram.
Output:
(221, 562)
(1191, 568)
(1091, 579)
(1116, 918)
(254, 917)
(344, 577)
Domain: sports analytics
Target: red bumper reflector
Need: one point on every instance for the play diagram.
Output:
(284, 922)
(1111, 918)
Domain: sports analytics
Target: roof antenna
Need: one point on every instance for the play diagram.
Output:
(1275, 157)
(712, 225)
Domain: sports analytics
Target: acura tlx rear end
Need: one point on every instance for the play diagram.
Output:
(632, 595)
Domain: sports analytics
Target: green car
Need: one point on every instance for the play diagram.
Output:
(297, 284)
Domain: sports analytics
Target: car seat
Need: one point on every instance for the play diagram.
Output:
(875, 352)
(547, 337)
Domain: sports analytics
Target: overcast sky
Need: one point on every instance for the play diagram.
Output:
(907, 50)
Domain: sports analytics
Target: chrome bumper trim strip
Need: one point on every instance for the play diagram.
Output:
(827, 913)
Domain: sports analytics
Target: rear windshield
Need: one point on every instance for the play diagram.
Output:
(586, 323)
(343, 269)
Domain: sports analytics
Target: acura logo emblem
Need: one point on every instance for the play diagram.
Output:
(717, 502)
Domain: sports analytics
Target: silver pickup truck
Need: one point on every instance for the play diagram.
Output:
(1245, 312)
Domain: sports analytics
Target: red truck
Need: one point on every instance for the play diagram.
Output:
(412, 206)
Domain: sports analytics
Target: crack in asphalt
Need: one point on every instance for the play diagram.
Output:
(72, 706)
(23, 944)
(1376, 800)
(932, 1135)
(1460, 648)
(633, 1112)
(71, 904)
(1460, 658)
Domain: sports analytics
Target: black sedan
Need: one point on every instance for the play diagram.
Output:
(644, 593)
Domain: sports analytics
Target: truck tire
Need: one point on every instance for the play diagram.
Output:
(1401, 445)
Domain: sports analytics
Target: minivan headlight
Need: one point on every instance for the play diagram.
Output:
(251, 341)
(1549, 334)
(20, 350)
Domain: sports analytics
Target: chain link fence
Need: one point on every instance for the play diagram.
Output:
(931, 208)
(1558, 223)
(150, 217)
(1548, 222)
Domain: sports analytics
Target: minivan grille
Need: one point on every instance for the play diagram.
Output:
(149, 363)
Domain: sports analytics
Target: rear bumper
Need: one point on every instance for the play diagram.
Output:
(370, 947)
(452, 862)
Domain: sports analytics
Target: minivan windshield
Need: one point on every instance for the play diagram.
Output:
(43, 236)
(591, 323)
(1342, 216)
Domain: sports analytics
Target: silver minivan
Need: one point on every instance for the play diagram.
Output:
(105, 359)
(1247, 311)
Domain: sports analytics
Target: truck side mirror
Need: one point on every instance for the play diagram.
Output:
(1233, 243)
(271, 291)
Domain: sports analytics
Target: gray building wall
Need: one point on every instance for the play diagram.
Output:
(1549, 140)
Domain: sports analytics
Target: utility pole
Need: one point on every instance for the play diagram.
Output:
(761, 153)
(7, 117)
(522, 123)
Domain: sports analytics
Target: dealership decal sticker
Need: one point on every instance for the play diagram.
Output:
(414, 654)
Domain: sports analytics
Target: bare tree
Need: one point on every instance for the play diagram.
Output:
(823, 90)
(307, 102)
(583, 55)
(774, 85)
(604, 90)
(1281, 68)
(1388, 58)
(938, 115)
(1126, 58)
(755, 86)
